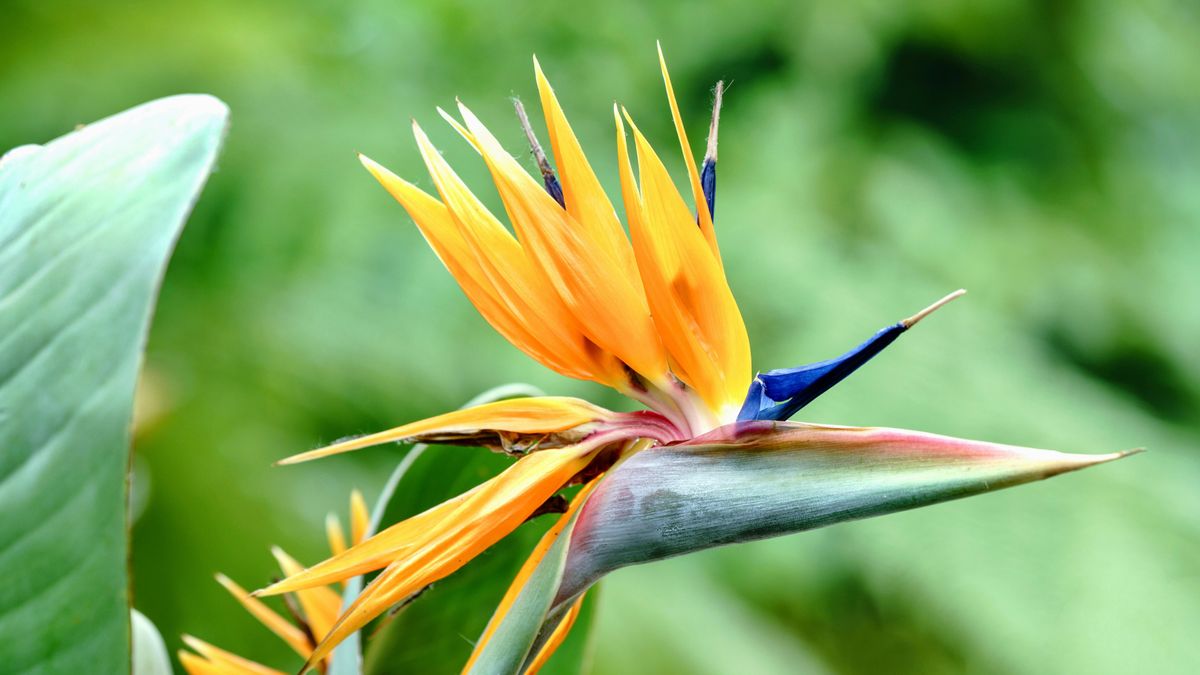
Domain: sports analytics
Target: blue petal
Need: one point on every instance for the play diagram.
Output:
(708, 182)
(814, 379)
(756, 401)
(779, 394)
(790, 389)
(553, 187)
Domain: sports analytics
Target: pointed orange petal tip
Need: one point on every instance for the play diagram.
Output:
(293, 636)
(193, 642)
(210, 660)
(462, 131)
(360, 517)
(703, 216)
(628, 117)
(233, 587)
(380, 172)
(287, 563)
(334, 534)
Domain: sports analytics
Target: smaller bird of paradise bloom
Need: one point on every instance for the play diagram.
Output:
(712, 460)
(315, 610)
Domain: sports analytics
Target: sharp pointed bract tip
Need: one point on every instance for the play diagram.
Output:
(1075, 462)
(1126, 453)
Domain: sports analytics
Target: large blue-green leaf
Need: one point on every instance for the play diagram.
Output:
(87, 223)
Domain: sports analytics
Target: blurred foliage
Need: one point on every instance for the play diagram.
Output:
(875, 155)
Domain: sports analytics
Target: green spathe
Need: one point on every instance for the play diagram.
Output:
(87, 223)
(761, 479)
(750, 481)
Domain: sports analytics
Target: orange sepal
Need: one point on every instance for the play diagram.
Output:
(210, 660)
(694, 309)
(475, 521)
(516, 416)
(590, 270)
(293, 636)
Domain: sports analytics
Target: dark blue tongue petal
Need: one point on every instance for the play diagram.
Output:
(779, 394)
(708, 181)
(756, 402)
(708, 172)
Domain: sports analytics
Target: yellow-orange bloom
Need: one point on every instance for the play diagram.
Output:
(319, 607)
(570, 289)
(652, 315)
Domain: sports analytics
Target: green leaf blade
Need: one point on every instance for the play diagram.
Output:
(513, 643)
(87, 223)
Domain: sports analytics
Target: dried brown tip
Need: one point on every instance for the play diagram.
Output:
(539, 155)
(710, 153)
(912, 320)
(548, 178)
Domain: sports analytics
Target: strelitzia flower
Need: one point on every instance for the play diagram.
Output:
(711, 461)
(316, 609)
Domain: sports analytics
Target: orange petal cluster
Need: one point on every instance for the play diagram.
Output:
(648, 313)
(568, 286)
(319, 608)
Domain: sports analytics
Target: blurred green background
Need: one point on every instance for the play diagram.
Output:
(874, 156)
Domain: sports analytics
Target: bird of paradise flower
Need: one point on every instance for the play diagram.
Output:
(315, 610)
(712, 460)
